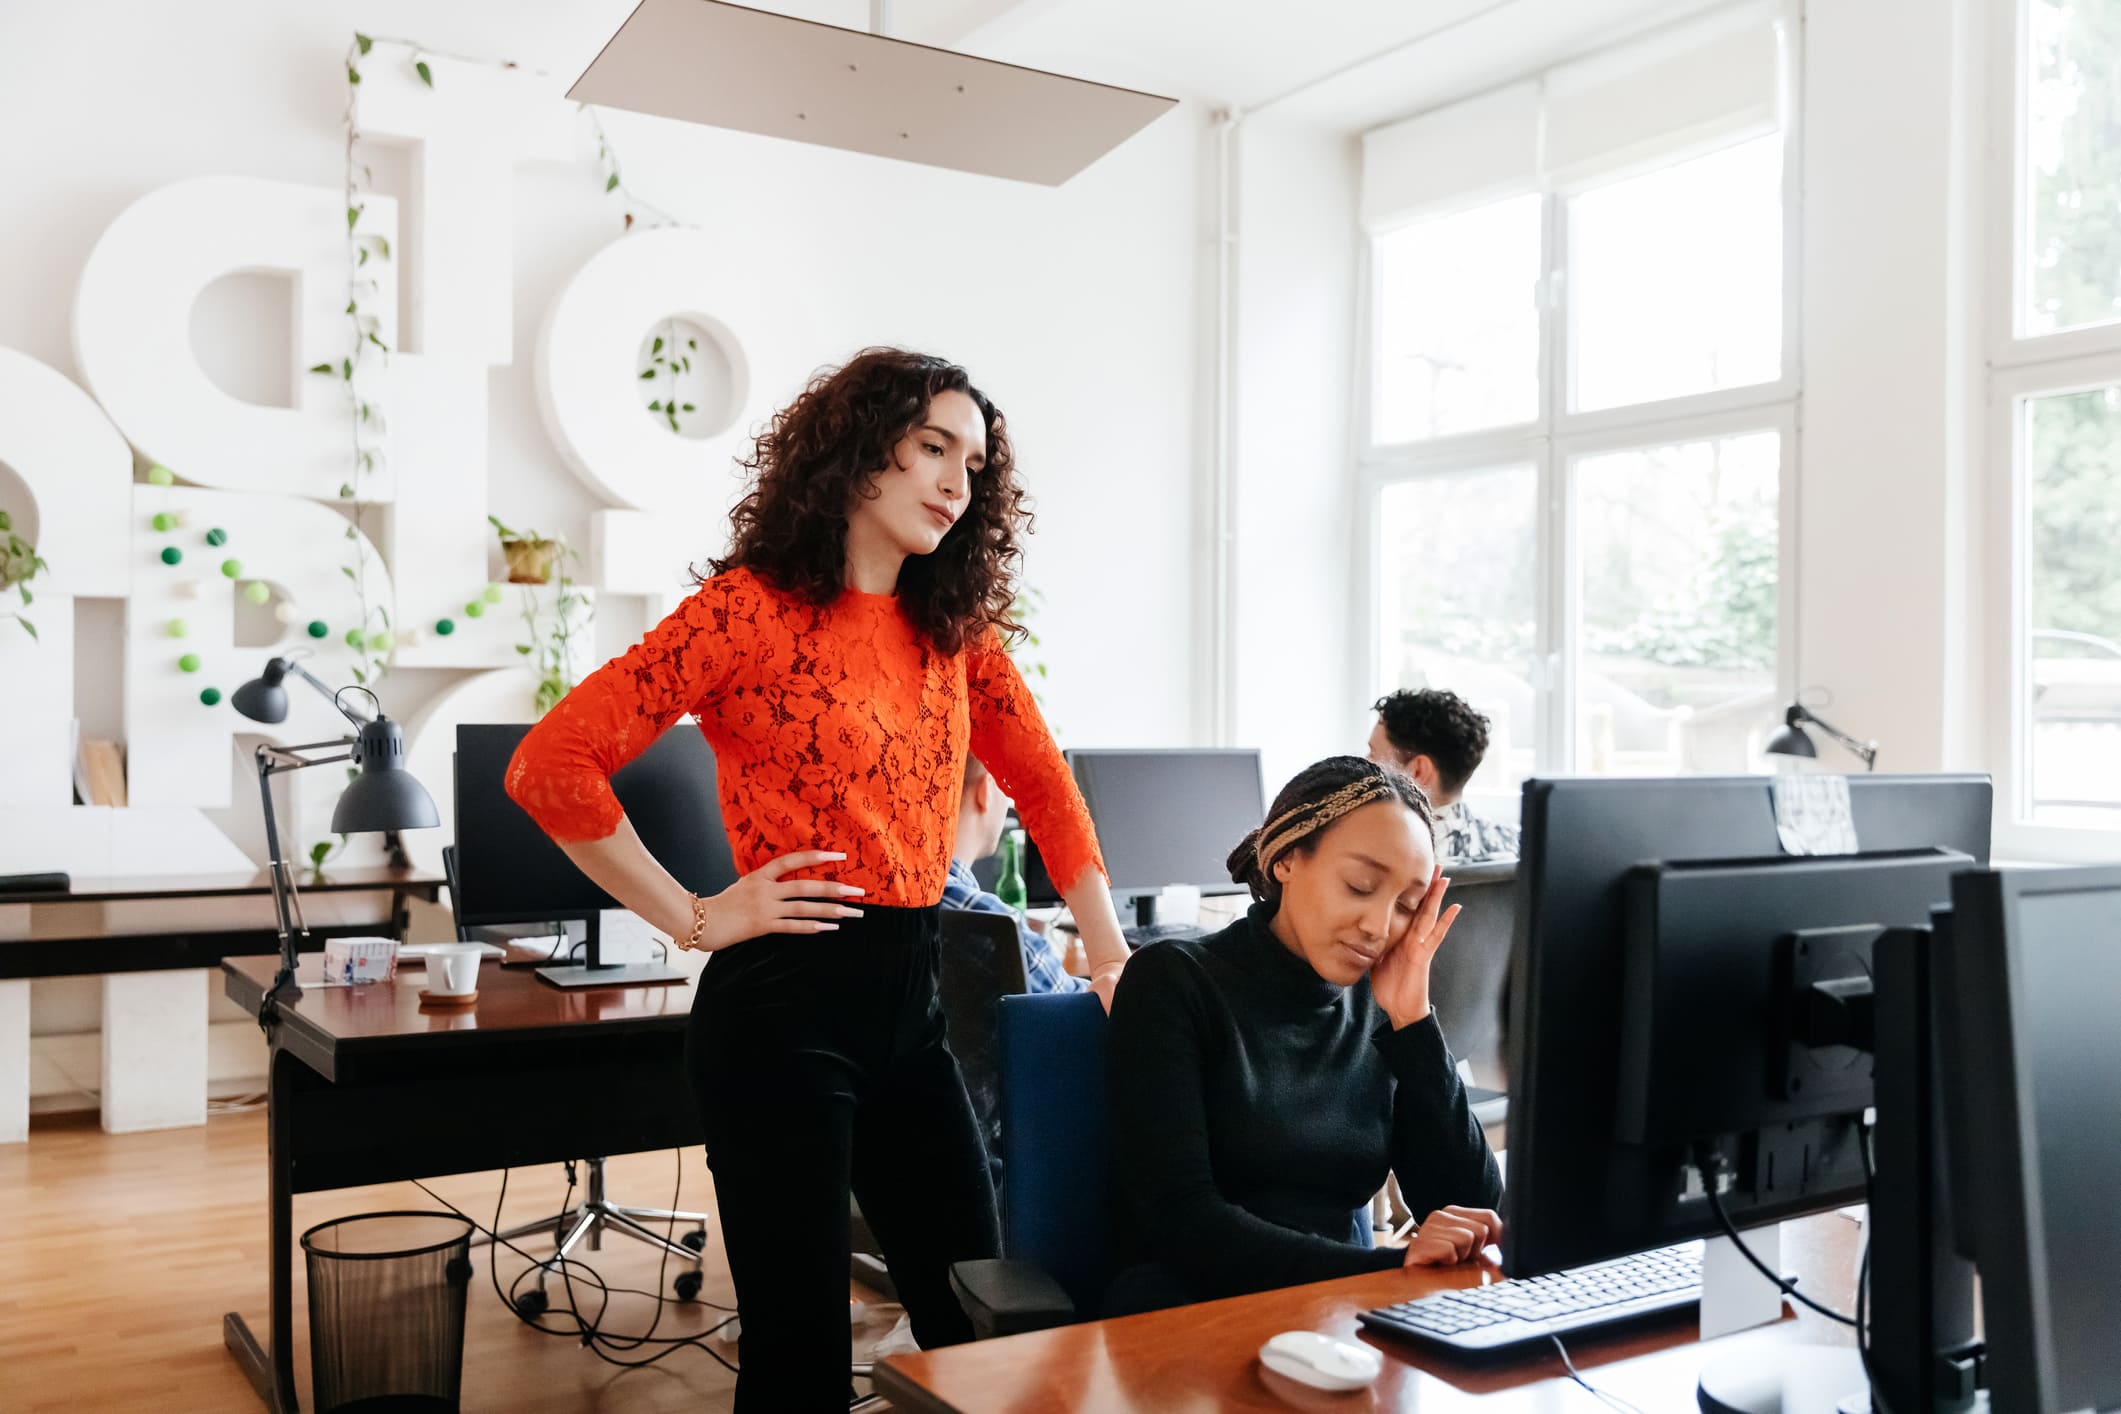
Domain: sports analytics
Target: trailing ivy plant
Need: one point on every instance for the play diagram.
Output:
(366, 355)
(360, 369)
(550, 647)
(1023, 609)
(667, 360)
(19, 564)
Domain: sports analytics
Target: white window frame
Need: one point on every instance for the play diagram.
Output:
(2021, 368)
(1553, 441)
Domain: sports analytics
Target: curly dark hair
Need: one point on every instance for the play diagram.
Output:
(1301, 814)
(828, 446)
(1439, 725)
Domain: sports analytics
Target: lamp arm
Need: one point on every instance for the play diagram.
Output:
(283, 758)
(1866, 751)
(275, 761)
(294, 666)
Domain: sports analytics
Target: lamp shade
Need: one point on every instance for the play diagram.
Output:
(1793, 740)
(263, 699)
(384, 796)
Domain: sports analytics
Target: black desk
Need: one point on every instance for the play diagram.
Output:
(169, 947)
(541, 1075)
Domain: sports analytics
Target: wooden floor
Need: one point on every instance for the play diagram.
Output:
(119, 1254)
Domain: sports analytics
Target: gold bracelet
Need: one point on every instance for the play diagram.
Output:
(699, 924)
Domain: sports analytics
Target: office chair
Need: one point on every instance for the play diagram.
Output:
(982, 962)
(1466, 980)
(1056, 1217)
(597, 1211)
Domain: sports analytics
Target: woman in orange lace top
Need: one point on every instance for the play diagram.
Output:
(840, 660)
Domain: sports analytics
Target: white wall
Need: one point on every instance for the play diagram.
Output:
(1298, 696)
(1891, 456)
(1078, 309)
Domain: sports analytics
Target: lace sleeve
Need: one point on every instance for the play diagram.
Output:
(1010, 737)
(561, 774)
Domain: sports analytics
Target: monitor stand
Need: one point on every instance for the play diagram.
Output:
(595, 972)
(1799, 1379)
(1923, 1352)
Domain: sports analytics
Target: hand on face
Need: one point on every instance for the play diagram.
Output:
(1400, 979)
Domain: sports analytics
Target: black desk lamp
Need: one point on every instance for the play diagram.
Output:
(383, 796)
(1793, 740)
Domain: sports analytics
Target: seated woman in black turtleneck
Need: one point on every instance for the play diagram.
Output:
(1265, 1078)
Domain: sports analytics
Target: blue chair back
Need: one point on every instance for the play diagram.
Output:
(1056, 1171)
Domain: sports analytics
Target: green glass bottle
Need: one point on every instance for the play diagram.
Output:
(1009, 885)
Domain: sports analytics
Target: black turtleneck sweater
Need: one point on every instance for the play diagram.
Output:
(1255, 1106)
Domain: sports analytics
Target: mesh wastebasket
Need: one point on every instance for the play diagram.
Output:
(386, 1312)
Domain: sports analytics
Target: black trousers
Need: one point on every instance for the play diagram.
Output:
(819, 1067)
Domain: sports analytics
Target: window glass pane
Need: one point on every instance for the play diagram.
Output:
(1458, 323)
(1461, 594)
(2073, 653)
(1675, 279)
(1677, 606)
(2073, 164)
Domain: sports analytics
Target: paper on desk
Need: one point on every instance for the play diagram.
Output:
(1812, 814)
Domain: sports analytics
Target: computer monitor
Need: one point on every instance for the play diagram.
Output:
(1169, 816)
(1039, 888)
(2031, 980)
(1654, 997)
(512, 872)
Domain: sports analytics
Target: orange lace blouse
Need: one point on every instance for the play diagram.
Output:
(835, 728)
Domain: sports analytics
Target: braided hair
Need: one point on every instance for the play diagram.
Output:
(1318, 795)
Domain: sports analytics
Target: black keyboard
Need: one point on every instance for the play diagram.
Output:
(1480, 1319)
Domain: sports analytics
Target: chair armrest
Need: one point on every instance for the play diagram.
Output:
(1004, 1298)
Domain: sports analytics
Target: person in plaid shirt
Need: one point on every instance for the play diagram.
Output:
(1437, 738)
(981, 814)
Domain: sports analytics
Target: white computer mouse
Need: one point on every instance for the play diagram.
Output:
(1321, 1361)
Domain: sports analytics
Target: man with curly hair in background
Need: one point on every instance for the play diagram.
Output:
(1437, 738)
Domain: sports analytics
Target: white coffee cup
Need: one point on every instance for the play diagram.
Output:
(453, 969)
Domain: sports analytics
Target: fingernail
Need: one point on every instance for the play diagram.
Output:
(853, 890)
(850, 913)
(828, 927)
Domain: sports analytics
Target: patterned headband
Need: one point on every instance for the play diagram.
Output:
(1294, 825)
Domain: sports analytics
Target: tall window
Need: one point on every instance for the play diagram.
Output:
(2058, 405)
(1579, 438)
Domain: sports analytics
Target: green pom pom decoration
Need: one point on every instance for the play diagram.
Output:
(178, 628)
(318, 628)
(217, 536)
(384, 641)
(161, 475)
(257, 591)
(189, 662)
(171, 555)
(492, 594)
(232, 568)
(211, 696)
(445, 627)
(163, 521)
(354, 638)
(474, 609)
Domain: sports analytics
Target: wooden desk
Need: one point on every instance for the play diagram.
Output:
(1205, 1357)
(369, 1087)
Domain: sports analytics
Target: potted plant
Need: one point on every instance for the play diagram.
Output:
(528, 553)
(19, 564)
